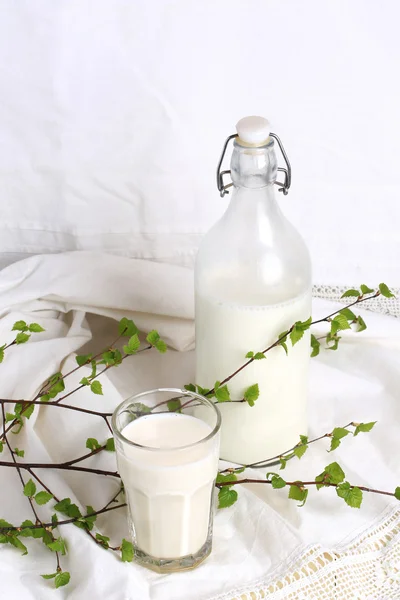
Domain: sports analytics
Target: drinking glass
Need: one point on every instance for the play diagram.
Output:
(167, 454)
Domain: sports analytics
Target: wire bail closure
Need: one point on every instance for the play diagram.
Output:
(284, 187)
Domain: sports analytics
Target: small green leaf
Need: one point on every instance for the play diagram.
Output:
(83, 359)
(96, 387)
(36, 328)
(141, 408)
(351, 495)
(250, 354)
(351, 293)
(337, 434)
(315, 345)
(133, 345)
(174, 405)
(251, 394)
(57, 546)
(221, 478)
(397, 493)
(90, 518)
(51, 576)
(259, 356)
(361, 325)
(300, 449)
(63, 505)
(103, 540)
(366, 290)
(10, 417)
(54, 520)
(153, 337)
(298, 492)
(283, 462)
(332, 473)
(297, 333)
(1, 447)
(30, 489)
(203, 391)
(20, 326)
(161, 346)
(126, 551)
(18, 544)
(21, 338)
(332, 338)
(62, 579)
(127, 327)
(20, 453)
(84, 381)
(364, 427)
(94, 368)
(190, 387)
(27, 412)
(384, 290)
(226, 497)
(110, 445)
(342, 322)
(92, 444)
(2, 348)
(222, 394)
(43, 497)
(346, 312)
(276, 481)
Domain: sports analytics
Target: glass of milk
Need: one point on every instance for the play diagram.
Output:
(168, 462)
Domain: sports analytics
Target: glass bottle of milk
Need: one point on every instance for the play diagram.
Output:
(253, 281)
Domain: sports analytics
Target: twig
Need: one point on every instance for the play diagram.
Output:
(60, 466)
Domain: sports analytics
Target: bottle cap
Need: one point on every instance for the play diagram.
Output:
(253, 131)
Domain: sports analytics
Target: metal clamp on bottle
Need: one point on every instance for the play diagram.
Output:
(259, 126)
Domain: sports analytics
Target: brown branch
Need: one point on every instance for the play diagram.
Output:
(67, 406)
(60, 466)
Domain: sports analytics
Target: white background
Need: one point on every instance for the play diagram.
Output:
(113, 115)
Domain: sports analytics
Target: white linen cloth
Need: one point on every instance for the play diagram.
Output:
(264, 537)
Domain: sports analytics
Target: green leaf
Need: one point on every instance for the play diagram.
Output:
(57, 546)
(249, 354)
(30, 489)
(283, 462)
(141, 408)
(315, 345)
(361, 325)
(161, 346)
(20, 326)
(384, 290)
(110, 445)
(96, 388)
(251, 394)
(366, 290)
(298, 492)
(20, 453)
(83, 359)
(90, 520)
(84, 381)
(174, 405)
(2, 348)
(351, 495)
(54, 520)
(103, 540)
(62, 579)
(226, 497)
(127, 327)
(26, 531)
(46, 536)
(94, 368)
(190, 387)
(10, 417)
(43, 497)
(221, 478)
(92, 444)
(351, 293)
(36, 328)
(21, 338)
(397, 493)
(346, 312)
(259, 356)
(364, 427)
(153, 337)
(304, 325)
(341, 321)
(297, 333)
(63, 505)
(27, 412)
(4, 523)
(332, 473)
(1, 447)
(18, 544)
(57, 385)
(276, 481)
(126, 551)
(335, 339)
(51, 576)
(337, 434)
(301, 448)
(203, 391)
(133, 345)
(222, 394)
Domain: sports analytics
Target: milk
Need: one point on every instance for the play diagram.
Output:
(169, 491)
(225, 332)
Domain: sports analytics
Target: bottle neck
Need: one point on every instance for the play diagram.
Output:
(254, 167)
